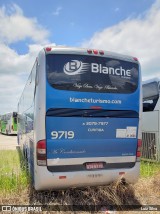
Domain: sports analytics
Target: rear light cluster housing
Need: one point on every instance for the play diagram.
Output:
(138, 153)
(41, 153)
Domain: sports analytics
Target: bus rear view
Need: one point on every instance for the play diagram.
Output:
(88, 132)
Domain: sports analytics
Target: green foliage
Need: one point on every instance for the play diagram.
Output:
(149, 169)
(14, 176)
(13, 173)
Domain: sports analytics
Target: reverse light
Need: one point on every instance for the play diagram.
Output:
(41, 153)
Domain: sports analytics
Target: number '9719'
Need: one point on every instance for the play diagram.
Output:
(62, 135)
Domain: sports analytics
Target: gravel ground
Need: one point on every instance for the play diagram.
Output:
(8, 142)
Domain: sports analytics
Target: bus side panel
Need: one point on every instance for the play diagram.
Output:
(39, 113)
(26, 116)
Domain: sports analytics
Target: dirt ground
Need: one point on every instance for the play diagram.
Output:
(8, 142)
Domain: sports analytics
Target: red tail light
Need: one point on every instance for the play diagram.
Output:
(41, 153)
(95, 51)
(138, 154)
(139, 143)
(101, 52)
(135, 58)
(89, 51)
(48, 49)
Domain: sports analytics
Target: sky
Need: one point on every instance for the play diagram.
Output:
(122, 26)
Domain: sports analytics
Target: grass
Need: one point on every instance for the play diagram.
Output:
(13, 175)
(15, 188)
(149, 169)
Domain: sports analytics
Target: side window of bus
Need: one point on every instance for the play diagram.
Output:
(150, 95)
(33, 77)
(149, 104)
(28, 94)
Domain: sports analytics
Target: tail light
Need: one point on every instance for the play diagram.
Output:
(12, 127)
(135, 59)
(90, 51)
(95, 51)
(48, 49)
(41, 153)
(138, 154)
(101, 52)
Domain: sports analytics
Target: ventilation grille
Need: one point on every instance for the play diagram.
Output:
(149, 149)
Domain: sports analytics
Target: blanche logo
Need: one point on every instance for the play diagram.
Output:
(98, 68)
(77, 67)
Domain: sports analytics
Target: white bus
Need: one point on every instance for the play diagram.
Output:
(151, 120)
(79, 118)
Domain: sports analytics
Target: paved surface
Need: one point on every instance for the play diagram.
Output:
(8, 142)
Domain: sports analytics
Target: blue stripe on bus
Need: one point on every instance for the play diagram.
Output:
(93, 137)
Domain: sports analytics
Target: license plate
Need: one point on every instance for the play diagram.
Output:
(97, 165)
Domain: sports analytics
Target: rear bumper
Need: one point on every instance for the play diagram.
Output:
(45, 180)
